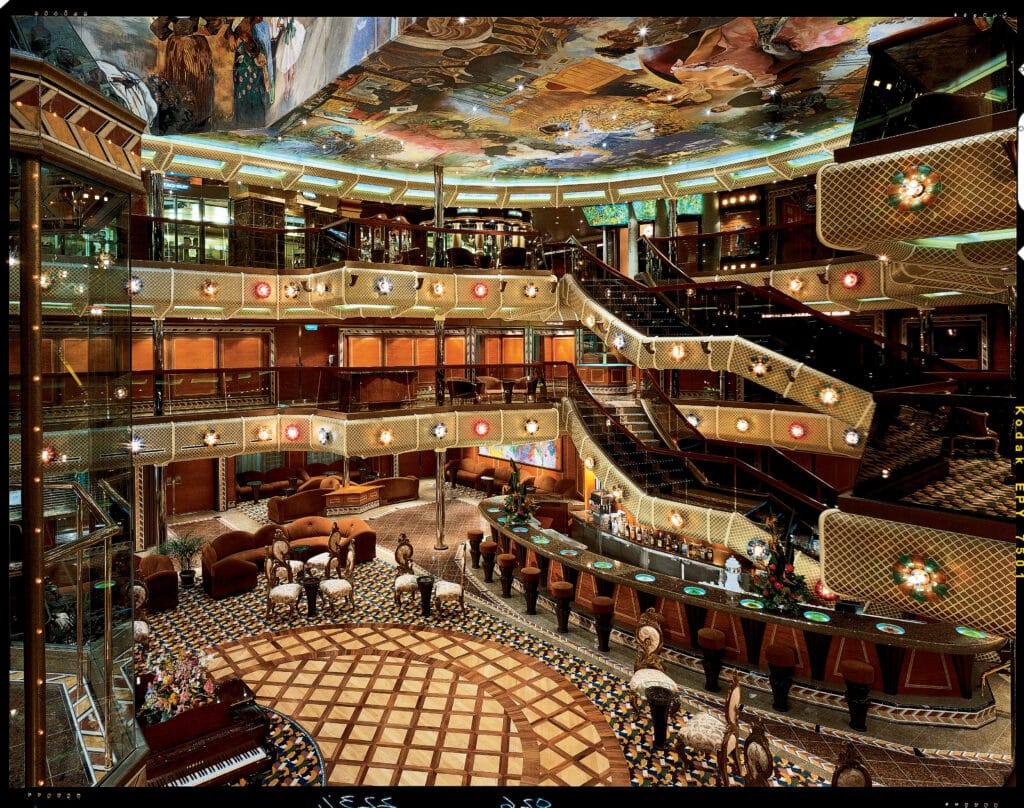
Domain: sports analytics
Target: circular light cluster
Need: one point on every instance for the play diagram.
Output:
(919, 577)
(383, 285)
(588, 462)
(619, 342)
(439, 431)
(760, 365)
(531, 426)
(210, 437)
(797, 430)
(385, 437)
(210, 288)
(851, 437)
(292, 432)
(133, 285)
(120, 393)
(481, 428)
(828, 395)
(851, 279)
(437, 288)
(796, 284)
(49, 454)
(291, 290)
(264, 433)
(757, 549)
(480, 290)
(324, 435)
(531, 290)
(135, 444)
(263, 290)
(693, 419)
(914, 189)
(677, 351)
(677, 519)
(742, 424)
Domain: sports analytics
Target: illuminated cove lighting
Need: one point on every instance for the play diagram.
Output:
(260, 171)
(370, 188)
(327, 182)
(200, 162)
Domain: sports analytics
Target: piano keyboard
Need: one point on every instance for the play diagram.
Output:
(220, 770)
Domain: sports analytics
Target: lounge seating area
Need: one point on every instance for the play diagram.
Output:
(158, 573)
(468, 471)
(307, 501)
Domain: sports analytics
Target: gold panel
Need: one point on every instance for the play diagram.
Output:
(857, 554)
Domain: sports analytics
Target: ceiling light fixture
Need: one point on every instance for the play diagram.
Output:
(437, 288)
(828, 395)
(385, 437)
(795, 285)
(851, 437)
(120, 392)
(264, 433)
(677, 351)
(742, 424)
(530, 290)
(588, 462)
(677, 519)
(135, 444)
(693, 419)
(851, 279)
(760, 365)
(291, 290)
(914, 189)
(324, 435)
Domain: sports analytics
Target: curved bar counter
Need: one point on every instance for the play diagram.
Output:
(915, 663)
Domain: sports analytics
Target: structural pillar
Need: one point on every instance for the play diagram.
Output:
(154, 506)
(439, 362)
(439, 500)
(30, 333)
(608, 252)
(710, 249)
(155, 204)
(926, 339)
(158, 367)
(633, 234)
(438, 216)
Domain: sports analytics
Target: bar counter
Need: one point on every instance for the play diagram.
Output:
(914, 662)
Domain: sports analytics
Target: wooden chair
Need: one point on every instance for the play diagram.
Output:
(405, 576)
(648, 669)
(850, 771)
(710, 733)
(758, 761)
(971, 425)
(337, 550)
(449, 591)
(340, 591)
(279, 566)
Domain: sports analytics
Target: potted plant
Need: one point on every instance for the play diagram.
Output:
(185, 549)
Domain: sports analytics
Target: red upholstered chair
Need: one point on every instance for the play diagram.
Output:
(157, 572)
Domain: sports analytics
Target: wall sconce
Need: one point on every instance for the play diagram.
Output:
(742, 424)
(588, 462)
(677, 351)
(264, 433)
(263, 290)
(677, 520)
(384, 286)
(501, 285)
(757, 549)
(291, 290)
(481, 428)
(650, 348)
(292, 432)
(705, 345)
(850, 280)
(322, 288)
(210, 437)
(554, 284)
(135, 444)
(828, 395)
(437, 288)
(439, 431)
(885, 474)
(795, 285)
(45, 281)
(923, 579)
(530, 290)
(589, 321)
(760, 365)
(851, 437)
(797, 430)
(133, 285)
(120, 392)
(914, 189)
(531, 426)
(693, 419)
(324, 435)
(385, 437)
(419, 283)
(619, 342)
(480, 290)
(352, 279)
(49, 455)
(823, 277)
(209, 288)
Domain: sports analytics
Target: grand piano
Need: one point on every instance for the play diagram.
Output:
(211, 745)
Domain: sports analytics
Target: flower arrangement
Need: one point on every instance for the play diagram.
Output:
(781, 588)
(177, 683)
(519, 505)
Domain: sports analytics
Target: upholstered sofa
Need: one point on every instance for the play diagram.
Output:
(468, 470)
(274, 481)
(159, 574)
(307, 501)
(397, 489)
(548, 486)
(233, 562)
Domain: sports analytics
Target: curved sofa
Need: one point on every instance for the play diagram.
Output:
(233, 562)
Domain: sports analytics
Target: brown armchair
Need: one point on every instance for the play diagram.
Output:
(308, 501)
(398, 489)
(547, 486)
(971, 425)
(461, 257)
(231, 563)
(467, 471)
(488, 387)
(160, 577)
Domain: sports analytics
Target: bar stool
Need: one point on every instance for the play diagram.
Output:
(487, 552)
(506, 565)
(859, 676)
(530, 576)
(781, 661)
(475, 537)
(603, 608)
(561, 591)
(712, 642)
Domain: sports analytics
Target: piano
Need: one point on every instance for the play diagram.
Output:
(213, 744)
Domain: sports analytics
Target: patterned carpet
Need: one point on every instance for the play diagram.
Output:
(976, 483)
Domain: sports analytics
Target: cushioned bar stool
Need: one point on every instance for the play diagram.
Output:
(781, 661)
(506, 566)
(475, 537)
(561, 591)
(530, 576)
(712, 642)
(488, 549)
(859, 676)
(603, 608)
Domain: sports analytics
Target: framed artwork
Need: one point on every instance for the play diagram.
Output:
(543, 454)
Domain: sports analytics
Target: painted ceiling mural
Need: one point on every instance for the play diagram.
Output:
(495, 96)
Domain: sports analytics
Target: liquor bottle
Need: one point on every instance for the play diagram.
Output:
(683, 549)
(709, 554)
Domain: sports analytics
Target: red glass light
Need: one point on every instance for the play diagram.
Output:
(263, 290)
(797, 430)
(292, 432)
(480, 290)
(481, 428)
(851, 279)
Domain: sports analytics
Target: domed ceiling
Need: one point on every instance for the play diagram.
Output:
(489, 97)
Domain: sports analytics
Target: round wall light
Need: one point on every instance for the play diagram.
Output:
(481, 428)
(292, 432)
(262, 290)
